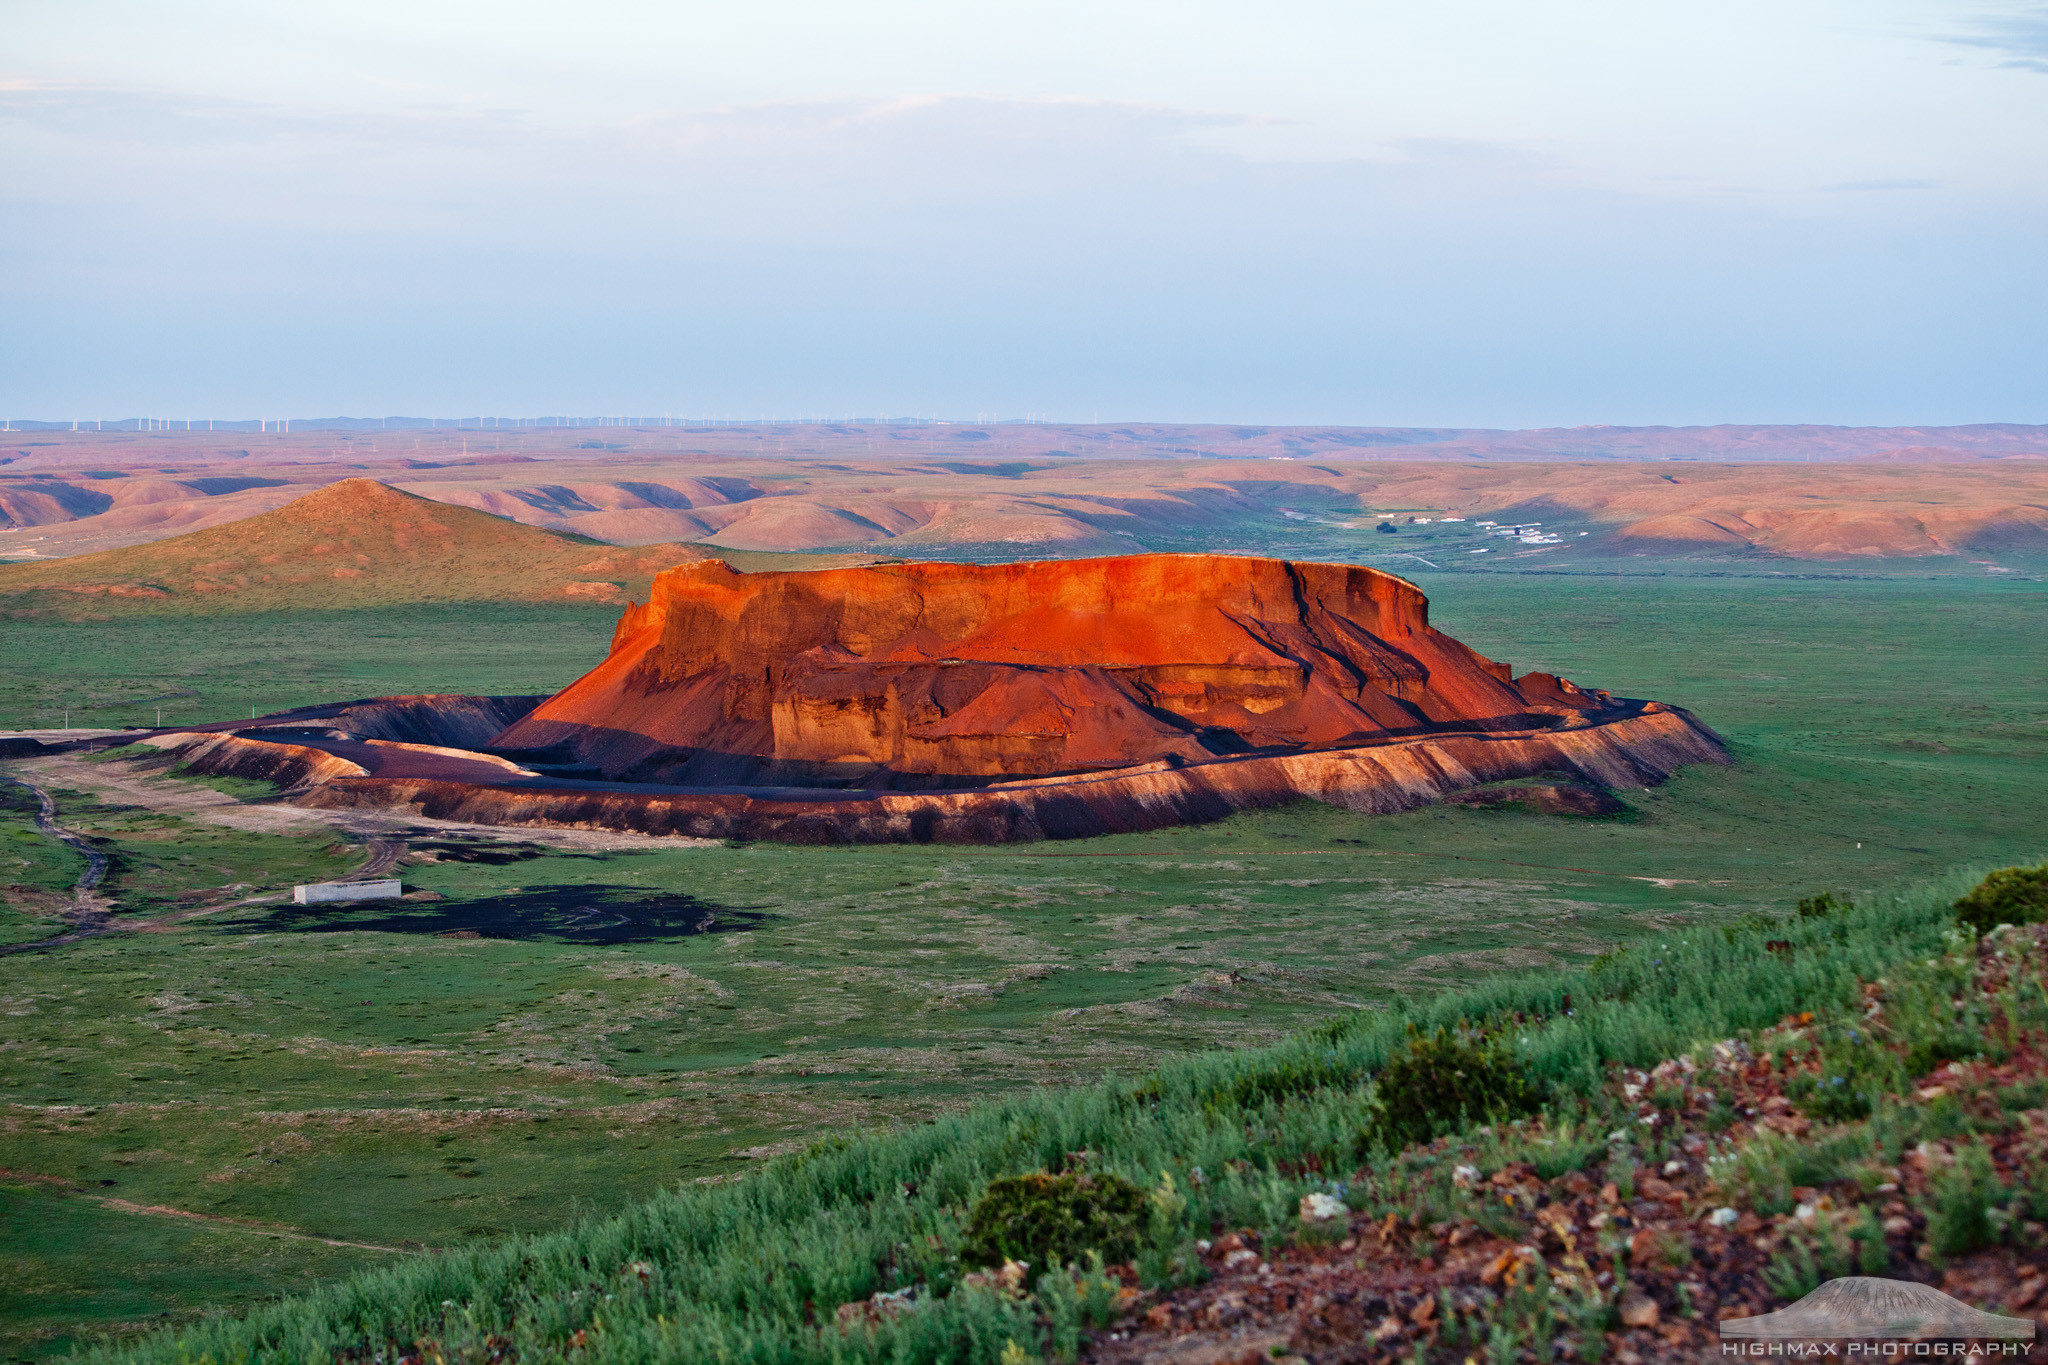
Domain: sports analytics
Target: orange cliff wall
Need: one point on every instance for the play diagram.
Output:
(935, 675)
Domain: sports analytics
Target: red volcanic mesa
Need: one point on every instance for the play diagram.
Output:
(922, 676)
(960, 704)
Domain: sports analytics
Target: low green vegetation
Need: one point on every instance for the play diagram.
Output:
(749, 1270)
(110, 674)
(84, 1257)
(160, 862)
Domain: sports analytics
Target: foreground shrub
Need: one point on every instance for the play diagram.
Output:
(1964, 1204)
(1831, 1246)
(2011, 895)
(1040, 1218)
(1441, 1082)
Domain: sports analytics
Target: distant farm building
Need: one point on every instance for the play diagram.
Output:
(386, 890)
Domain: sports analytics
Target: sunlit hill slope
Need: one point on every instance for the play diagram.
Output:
(356, 543)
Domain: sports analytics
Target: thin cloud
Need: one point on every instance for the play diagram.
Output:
(2022, 37)
(1856, 186)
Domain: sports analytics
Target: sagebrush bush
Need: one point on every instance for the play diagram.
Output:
(1965, 1203)
(1831, 1097)
(2011, 895)
(1829, 1247)
(1442, 1081)
(1825, 904)
(1039, 1218)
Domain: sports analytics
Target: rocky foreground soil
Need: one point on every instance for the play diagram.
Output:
(1650, 1257)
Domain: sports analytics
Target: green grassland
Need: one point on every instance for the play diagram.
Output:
(37, 871)
(563, 1033)
(750, 1270)
(201, 668)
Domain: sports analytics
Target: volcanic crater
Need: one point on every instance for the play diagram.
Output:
(980, 703)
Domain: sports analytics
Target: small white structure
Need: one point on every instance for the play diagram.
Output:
(386, 890)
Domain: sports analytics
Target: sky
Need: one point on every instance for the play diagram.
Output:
(1459, 213)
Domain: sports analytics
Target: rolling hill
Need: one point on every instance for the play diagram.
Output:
(355, 543)
(1018, 492)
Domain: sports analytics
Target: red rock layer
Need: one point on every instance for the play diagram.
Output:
(919, 676)
(1633, 746)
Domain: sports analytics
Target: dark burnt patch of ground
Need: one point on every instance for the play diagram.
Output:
(488, 852)
(574, 913)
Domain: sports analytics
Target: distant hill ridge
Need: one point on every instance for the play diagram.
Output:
(1905, 499)
(355, 543)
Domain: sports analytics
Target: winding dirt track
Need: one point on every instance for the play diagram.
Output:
(385, 838)
(90, 913)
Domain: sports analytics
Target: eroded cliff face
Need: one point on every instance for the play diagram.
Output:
(1638, 746)
(920, 676)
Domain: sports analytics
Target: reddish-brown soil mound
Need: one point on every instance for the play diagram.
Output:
(356, 543)
(920, 676)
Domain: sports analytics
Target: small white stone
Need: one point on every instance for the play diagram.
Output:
(1320, 1208)
(1723, 1217)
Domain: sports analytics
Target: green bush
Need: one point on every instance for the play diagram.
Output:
(1440, 1082)
(1763, 1172)
(1823, 905)
(1569, 1147)
(1831, 1246)
(2011, 895)
(1039, 1218)
(1965, 1204)
(1285, 1080)
(1831, 1097)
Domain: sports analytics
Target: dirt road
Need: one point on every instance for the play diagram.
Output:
(90, 912)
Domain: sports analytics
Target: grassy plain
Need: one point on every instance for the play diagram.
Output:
(117, 673)
(1242, 1139)
(380, 1077)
